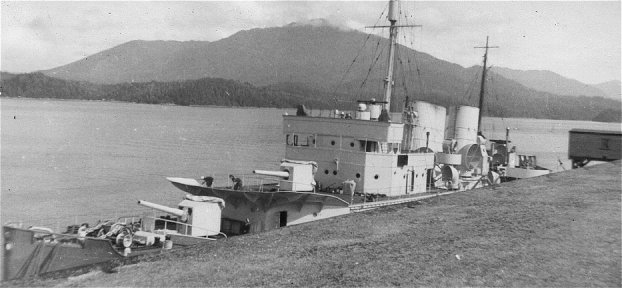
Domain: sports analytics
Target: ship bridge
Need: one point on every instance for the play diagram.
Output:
(366, 151)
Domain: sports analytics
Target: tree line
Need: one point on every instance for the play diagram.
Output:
(502, 100)
(206, 91)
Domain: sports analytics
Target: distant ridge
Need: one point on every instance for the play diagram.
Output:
(613, 89)
(554, 83)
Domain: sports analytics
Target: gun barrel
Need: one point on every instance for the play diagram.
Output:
(282, 174)
(169, 210)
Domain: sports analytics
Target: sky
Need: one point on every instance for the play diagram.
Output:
(578, 39)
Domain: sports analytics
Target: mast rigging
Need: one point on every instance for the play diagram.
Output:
(482, 87)
(388, 82)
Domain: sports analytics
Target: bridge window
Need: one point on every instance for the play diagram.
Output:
(299, 140)
(368, 146)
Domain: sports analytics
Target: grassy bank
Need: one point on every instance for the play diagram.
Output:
(559, 230)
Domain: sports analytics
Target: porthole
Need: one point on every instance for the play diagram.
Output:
(376, 176)
(326, 171)
(358, 175)
(332, 142)
(334, 172)
(351, 144)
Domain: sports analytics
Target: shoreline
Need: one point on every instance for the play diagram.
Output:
(274, 108)
(137, 103)
(561, 229)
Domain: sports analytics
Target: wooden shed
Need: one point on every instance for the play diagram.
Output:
(585, 145)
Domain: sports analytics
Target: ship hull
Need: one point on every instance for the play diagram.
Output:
(28, 253)
(263, 208)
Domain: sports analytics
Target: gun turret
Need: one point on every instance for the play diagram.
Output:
(295, 176)
(281, 174)
(173, 211)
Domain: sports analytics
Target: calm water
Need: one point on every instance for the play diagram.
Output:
(95, 159)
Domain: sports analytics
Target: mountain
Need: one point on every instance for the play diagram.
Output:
(317, 55)
(550, 82)
(320, 56)
(138, 61)
(258, 56)
(332, 62)
(611, 88)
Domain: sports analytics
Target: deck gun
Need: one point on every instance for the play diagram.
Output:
(293, 176)
(201, 215)
(183, 215)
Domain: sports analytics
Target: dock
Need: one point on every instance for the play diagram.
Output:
(561, 229)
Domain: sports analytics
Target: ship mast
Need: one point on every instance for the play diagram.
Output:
(388, 81)
(483, 85)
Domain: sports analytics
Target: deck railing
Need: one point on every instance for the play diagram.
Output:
(252, 182)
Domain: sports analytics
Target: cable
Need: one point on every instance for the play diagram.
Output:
(358, 53)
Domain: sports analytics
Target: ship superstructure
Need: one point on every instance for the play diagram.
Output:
(365, 150)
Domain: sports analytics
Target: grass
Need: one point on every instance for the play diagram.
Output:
(563, 229)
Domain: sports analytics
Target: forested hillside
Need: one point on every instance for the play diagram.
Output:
(513, 101)
(207, 91)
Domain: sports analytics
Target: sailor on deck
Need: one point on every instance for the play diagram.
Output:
(237, 182)
(207, 180)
